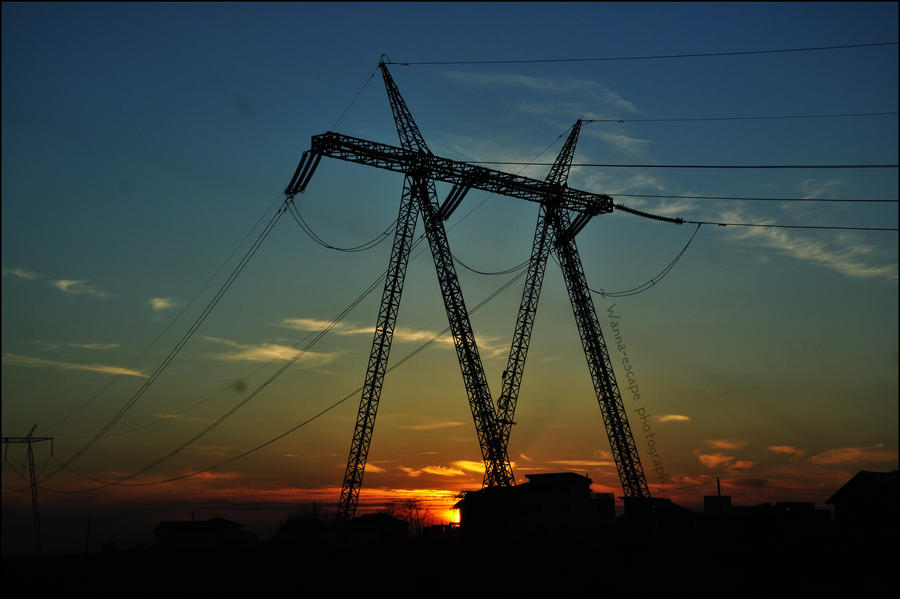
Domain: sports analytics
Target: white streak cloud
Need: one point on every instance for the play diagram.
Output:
(96, 346)
(21, 273)
(18, 360)
(73, 287)
(266, 352)
(844, 256)
(161, 303)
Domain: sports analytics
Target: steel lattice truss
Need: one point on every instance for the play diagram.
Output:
(556, 229)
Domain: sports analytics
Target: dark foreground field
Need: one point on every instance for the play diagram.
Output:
(634, 566)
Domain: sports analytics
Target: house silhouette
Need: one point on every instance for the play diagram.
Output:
(202, 535)
(558, 504)
(867, 504)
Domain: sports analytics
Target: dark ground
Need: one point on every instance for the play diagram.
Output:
(639, 565)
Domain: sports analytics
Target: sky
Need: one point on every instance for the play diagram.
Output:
(144, 146)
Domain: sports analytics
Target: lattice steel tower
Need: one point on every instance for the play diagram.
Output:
(556, 229)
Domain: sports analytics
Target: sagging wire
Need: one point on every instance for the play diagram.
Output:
(653, 281)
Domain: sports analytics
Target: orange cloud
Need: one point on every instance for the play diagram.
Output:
(430, 426)
(674, 418)
(582, 463)
(787, 449)
(743, 465)
(469, 466)
(725, 443)
(713, 460)
(442, 471)
(843, 455)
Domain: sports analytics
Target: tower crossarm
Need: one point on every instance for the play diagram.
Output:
(400, 160)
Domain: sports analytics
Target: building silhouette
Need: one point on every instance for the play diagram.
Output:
(558, 504)
(216, 534)
(867, 504)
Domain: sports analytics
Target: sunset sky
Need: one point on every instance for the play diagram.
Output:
(142, 143)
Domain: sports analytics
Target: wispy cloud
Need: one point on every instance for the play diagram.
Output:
(813, 188)
(373, 469)
(443, 471)
(714, 460)
(858, 455)
(21, 273)
(582, 463)
(673, 418)
(787, 450)
(18, 360)
(161, 303)
(725, 443)
(266, 352)
(469, 466)
(844, 255)
(73, 287)
(597, 96)
(411, 472)
(619, 141)
(743, 465)
(490, 347)
(97, 346)
(430, 426)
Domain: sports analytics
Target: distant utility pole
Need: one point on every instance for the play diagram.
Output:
(29, 439)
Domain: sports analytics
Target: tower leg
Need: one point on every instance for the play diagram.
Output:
(621, 440)
(498, 471)
(378, 357)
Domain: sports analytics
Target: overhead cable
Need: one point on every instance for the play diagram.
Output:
(723, 166)
(171, 323)
(301, 222)
(653, 281)
(679, 221)
(182, 342)
(498, 272)
(369, 78)
(381, 277)
(645, 57)
(748, 199)
(284, 434)
(741, 118)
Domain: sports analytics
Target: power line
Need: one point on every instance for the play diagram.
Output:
(296, 427)
(646, 57)
(499, 272)
(171, 323)
(182, 342)
(354, 99)
(653, 281)
(740, 118)
(365, 293)
(722, 166)
(749, 199)
(301, 222)
(774, 226)
(679, 221)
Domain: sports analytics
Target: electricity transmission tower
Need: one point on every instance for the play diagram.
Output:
(29, 439)
(556, 229)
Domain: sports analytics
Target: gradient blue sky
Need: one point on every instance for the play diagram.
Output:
(141, 142)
